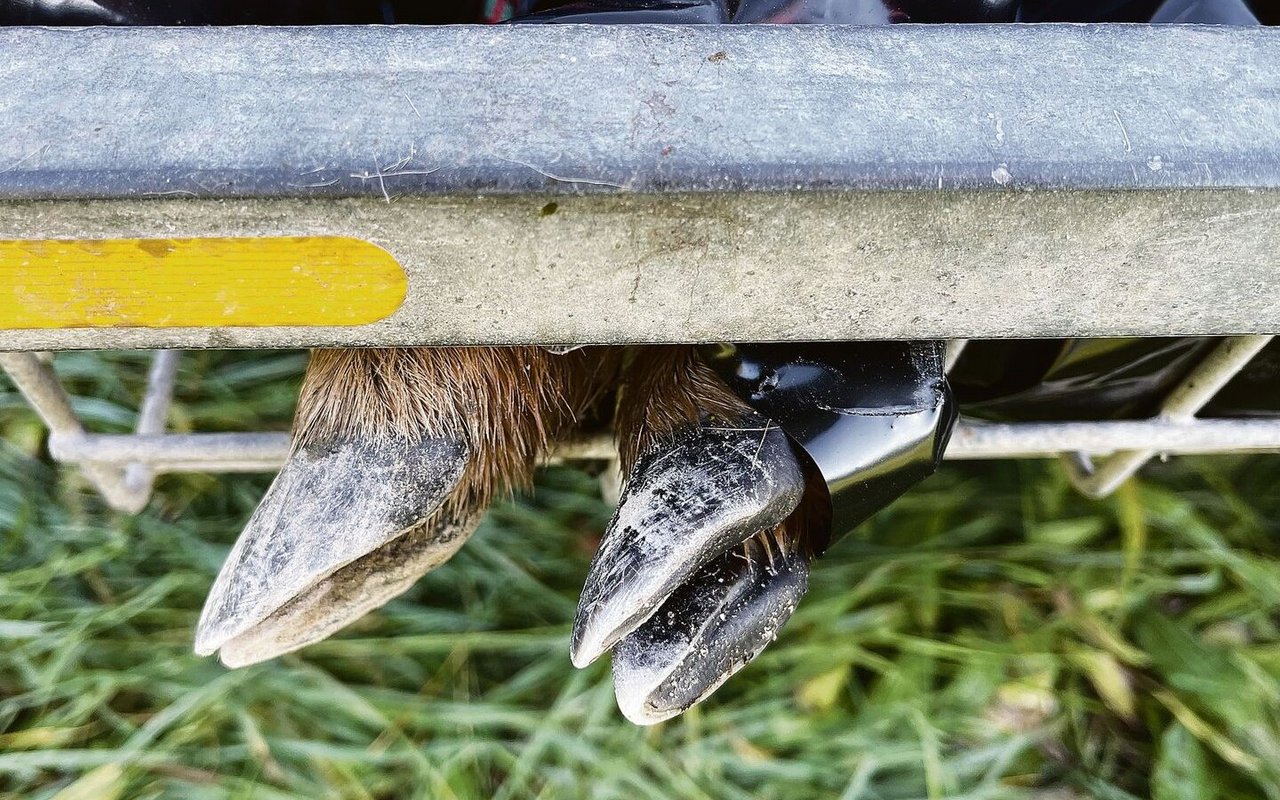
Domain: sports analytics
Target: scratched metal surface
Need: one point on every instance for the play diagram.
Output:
(367, 111)
(587, 184)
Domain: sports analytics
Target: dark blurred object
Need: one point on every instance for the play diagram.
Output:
(1098, 379)
(944, 11)
(1072, 379)
(1198, 12)
(874, 417)
(602, 12)
(1267, 11)
(842, 12)
(778, 12)
(800, 12)
(1087, 10)
(58, 12)
(237, 12)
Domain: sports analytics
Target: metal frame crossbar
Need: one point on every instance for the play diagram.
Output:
(123, 466)
(610, 184)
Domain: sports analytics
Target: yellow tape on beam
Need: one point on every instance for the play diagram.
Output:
(181, 283)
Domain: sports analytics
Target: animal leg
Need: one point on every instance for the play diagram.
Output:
(708, 552)
(396, 455)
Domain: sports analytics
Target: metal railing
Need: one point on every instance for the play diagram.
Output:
(631, 184)
(123, 466)
(613, 184)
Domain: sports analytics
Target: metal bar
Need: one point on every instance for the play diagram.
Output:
(139, 477)
(160, 381)
(610, 269)
(231, 452)
(1210, 376)
(238, 452)
(37, 382)
(1179, 408)
(160, 450)
(806, 183)
(383, 112)
(974, 440)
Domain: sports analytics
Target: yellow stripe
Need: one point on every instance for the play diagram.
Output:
(179, 283)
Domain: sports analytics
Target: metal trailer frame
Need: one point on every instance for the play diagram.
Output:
(580, 184)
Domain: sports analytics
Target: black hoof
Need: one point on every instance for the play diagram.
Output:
(686, 504)
(710, 628)
(316, 553)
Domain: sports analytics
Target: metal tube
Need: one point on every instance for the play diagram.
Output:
(1181, 406)
(210, 449)
(974, 441)
(1215, 372)
(955, 347)
(139, 477)
(38, 383)
(160, 381)
(149, 451)
(35, 378)
(242, 452)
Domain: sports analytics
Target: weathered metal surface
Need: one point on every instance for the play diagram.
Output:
(762, 267)
(575, 184)
(385, 111)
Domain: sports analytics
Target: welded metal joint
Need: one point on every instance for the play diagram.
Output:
(125, 484)
(1177, 415)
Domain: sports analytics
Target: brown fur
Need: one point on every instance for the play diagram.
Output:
(512, 404)
(509, 404)
(665, 387)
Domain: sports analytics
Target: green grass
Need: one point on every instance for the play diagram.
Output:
(992, 635)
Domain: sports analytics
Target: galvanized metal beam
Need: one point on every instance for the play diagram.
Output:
(567, 184)
(708, 268)
(381, 112)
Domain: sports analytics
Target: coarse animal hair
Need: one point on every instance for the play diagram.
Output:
(511, 404)
(664, 388)
(507, 404)
(667, 387)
